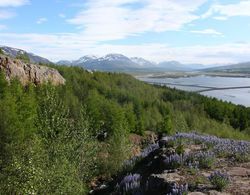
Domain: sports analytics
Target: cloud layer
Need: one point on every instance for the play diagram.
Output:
(111, 20)
(99, 22)
(13, 3)
(71, 46)
(225, 11)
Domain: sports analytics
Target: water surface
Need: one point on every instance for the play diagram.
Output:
(198, 83)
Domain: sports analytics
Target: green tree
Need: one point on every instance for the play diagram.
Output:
(166, 125)
(1, 52)
(24, 57)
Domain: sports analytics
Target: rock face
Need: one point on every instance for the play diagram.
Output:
(29, 73)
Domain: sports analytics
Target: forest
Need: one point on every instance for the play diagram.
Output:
(55, 140)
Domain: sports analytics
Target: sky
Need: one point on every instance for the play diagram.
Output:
(210, 32)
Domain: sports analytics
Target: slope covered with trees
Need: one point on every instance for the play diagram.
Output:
(54, 140)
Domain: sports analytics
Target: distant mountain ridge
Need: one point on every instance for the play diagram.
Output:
(13, 52)
(119, 62)
(237, 68)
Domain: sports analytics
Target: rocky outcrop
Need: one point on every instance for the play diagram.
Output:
(194, 166)
(29, 73)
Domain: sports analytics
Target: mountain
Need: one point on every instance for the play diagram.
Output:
(142, 62)
(13, 52)
(196, 66)
(237, 68)
(110, 62)
(85, 59)
(119, 62)
(64, 62)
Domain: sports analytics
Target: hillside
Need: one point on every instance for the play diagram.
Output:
(235, 68)
(185, 163)
(67, 138)
(14, 52)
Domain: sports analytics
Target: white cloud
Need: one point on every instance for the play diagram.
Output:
(103, 20)
(6, 14)
(61, 15)
(220, 18)
(41, 20)
(3, 27)
(72, 46)
(207, 31)
(237, 9)
(13, 3)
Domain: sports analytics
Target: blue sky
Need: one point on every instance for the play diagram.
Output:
(190, 31)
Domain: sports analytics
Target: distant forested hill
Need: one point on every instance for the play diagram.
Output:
(235, 68)
(55, 140)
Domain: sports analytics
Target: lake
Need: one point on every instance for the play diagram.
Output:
(205, 85)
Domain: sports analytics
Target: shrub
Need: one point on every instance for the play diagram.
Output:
(180, 149)
(170, 143)
(205, 159)
(173, 161)
(24, 57)
(219, 180)
(1, 51)
(242, 157)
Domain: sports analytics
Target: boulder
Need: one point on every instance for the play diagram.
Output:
(29, 73)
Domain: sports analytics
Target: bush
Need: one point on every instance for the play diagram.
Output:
(219, 180)
(173, 161)
(1, 52)
(242, 157)
(205, 159)
(24, 57)
(180, 149)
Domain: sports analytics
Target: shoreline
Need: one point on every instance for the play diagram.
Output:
(191, 74)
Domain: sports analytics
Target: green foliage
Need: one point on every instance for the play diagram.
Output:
(180, 149)
(22, 173)
(166, 126)
(1, 52)
(242, 157)
(219, 180)
(206, 160)
(54, 140)
(24, 57)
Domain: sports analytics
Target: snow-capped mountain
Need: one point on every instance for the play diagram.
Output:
(115, 57)
(85, 59)
(110, 62)
(13, 52)
(119, 62)
(142, 62)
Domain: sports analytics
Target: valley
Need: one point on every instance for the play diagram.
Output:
(124, 97)
(63, 125)
(232, 87)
